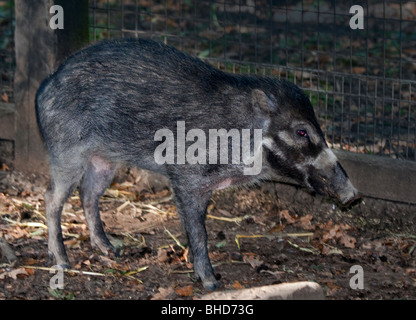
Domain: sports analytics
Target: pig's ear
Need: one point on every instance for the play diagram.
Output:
(263, 103)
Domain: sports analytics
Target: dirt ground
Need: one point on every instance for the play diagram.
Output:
(262, 235)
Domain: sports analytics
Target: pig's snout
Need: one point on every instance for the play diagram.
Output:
(326, 176)
(339, 186)
(349, 195)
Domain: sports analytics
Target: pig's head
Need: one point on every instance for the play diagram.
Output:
(295, 146)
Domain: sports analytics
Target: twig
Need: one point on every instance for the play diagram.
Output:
(175, 239)
(403, 235)
(313, 251)
(26, 224)
(39, 225)
(214, 265)
(40, 214)
(239, 236)
(292, 235)
(130, 274)
(141, 243)
(236, 219)
(161, 200)
(88, 273)
(152, 209)
(123, 206)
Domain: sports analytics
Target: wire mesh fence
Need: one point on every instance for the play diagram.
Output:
(360, 81)
(7, 58)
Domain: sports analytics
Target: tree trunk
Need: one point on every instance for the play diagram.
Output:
(39, 50)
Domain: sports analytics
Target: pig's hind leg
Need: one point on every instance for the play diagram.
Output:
(64, 179)
(96, 179)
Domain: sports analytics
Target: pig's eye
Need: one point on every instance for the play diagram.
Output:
(302, 133)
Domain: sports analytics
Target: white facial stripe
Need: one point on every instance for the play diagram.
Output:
(325, 159)
(286, 138)
(268, 143)
(271, 145)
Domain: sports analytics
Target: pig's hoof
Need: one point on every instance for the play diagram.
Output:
(207, 275)
(59, 261)
(105, 247)
(211, 285)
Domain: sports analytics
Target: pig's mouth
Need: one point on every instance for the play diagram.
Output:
(346, 197)
(344, 200)
(355, 200)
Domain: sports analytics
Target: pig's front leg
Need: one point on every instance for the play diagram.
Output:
(192, 205)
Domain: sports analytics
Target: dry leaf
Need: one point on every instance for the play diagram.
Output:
(14, 273)
(305, 222)
(285, 214)
(210, 207)
(332, 285)
(338, 233)
(185, 291)
(252, 259)
(358, 70)
(276, 229)
(237, 285)
(5, 97)
(163, 293)
(410, 271)
(347, 240)
(106, 261)
(73, 243)
(163, 256)
(18, 233)
(31, 261)
(86, 262)
(30, 271)
(125, 185)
